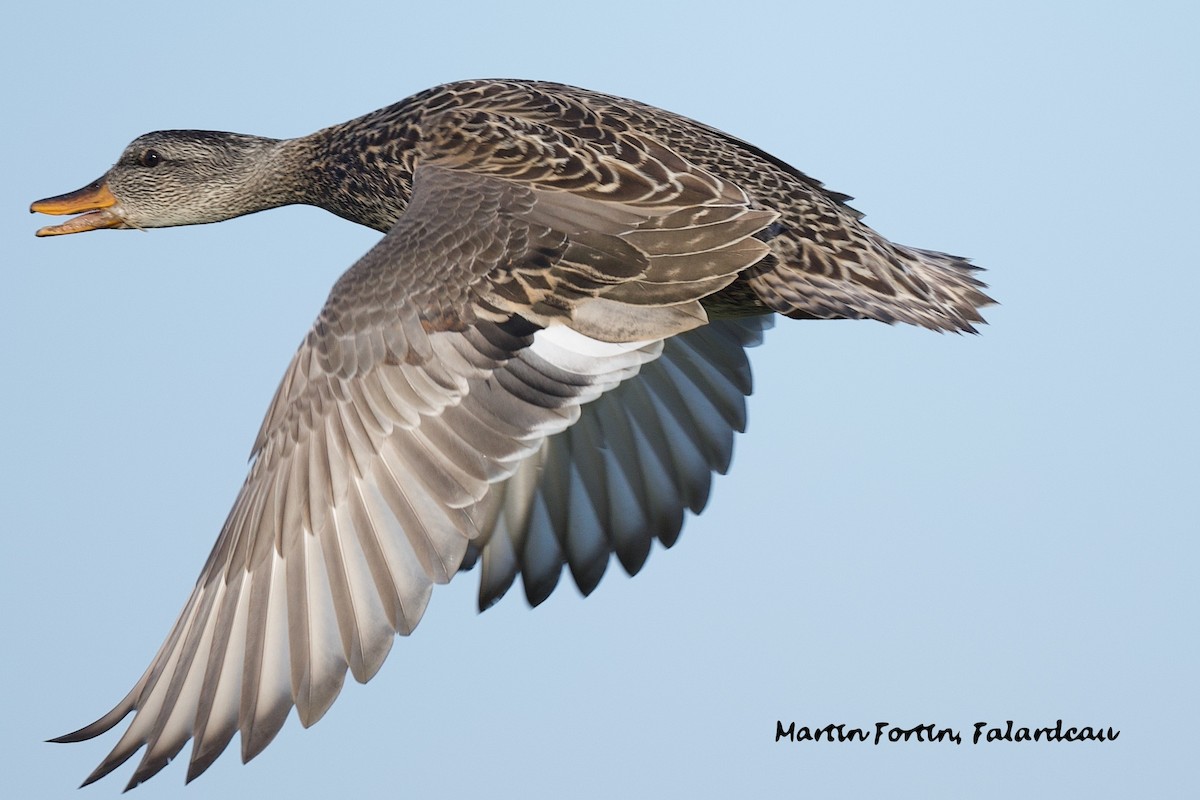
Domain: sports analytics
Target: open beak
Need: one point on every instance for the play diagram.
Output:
(95, 199)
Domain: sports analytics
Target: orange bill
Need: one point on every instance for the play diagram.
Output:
(94, 202)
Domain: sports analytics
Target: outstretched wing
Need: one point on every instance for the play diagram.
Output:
(533, 271)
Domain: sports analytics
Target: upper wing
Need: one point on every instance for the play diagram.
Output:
(532, 272)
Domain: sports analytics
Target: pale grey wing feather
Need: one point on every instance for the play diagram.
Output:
(425, 379)
(309, 601)
(622, 476)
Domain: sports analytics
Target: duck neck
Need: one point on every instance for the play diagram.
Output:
(360, 170)
(275, 177)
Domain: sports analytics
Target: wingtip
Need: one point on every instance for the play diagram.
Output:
(200, 762)
(101, 771)
(102, 725)
(139, 777)
(82, 734)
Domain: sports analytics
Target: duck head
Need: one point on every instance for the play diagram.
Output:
(169, 178)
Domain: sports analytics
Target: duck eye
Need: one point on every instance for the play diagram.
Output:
(150, 158)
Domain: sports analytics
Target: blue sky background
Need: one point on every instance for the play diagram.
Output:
(917, 528)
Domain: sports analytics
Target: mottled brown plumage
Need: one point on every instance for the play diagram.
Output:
(540, 364)
(824, 262)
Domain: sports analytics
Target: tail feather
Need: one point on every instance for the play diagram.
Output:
(870, 278)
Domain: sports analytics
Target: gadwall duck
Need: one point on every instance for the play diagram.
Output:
(541, 363)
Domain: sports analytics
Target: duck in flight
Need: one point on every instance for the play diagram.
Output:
(541, 363)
